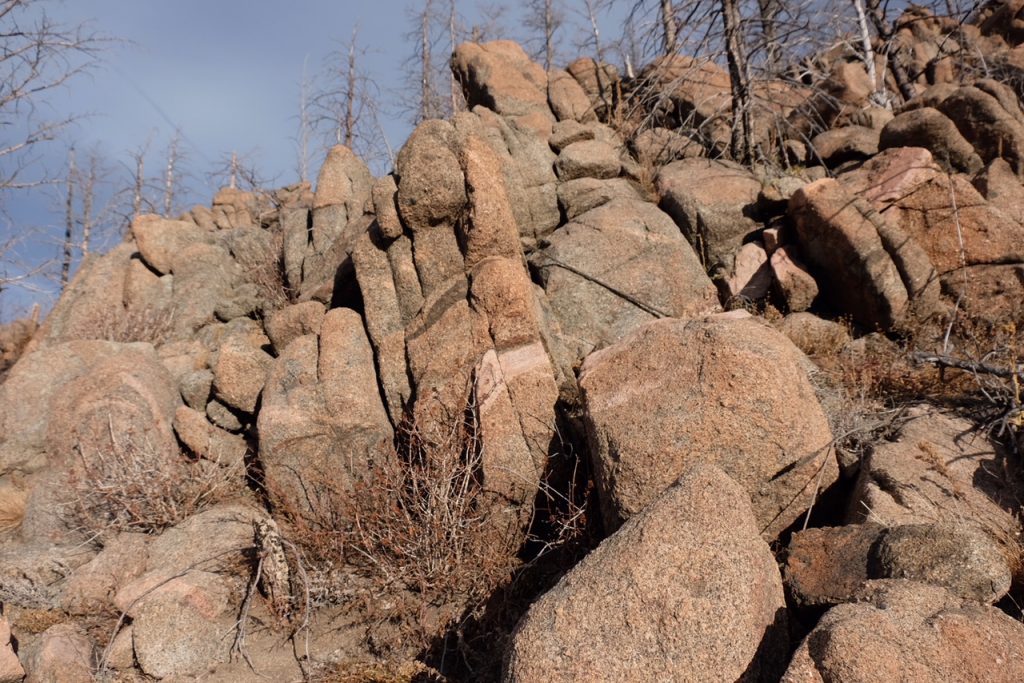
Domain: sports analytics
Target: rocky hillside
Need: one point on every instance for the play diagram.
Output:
(569, 396)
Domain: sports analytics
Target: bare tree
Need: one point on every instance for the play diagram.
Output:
(658, 18)
(491, 25)
(739, 82)
(88, 179)
(544, 19)
(430, 104)
(37, 57)
(669, 29)
(84, 212)
(883, 28)
(139, 202)
(454, 89)
(590, 11)
(345, 106)
(437, 29)
(239, 171)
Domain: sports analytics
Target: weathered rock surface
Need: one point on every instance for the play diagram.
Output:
(240, 372)
(752, 274)
(839, 145)
(159, 240)
(63, 654)
(962, 560)
(568, 99)
(527, 163)
(322, 420)
(91, 588)
(92, 306)
(661, 146)
(842, 244)
(796, 286)
(988, 115)
(929, 128)
(186, 599)
(908, 631)
(500, 76)
(579, 196)
(937, 471)
(827, 566)
(814, 335)
(11, 670)
(646, 605)
(26, 395)
(513, 283)
(714, 204)
(588, 159)
(293, 322)
(723, 390)
(616, 267)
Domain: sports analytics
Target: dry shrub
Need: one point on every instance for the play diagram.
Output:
(417, 522)
(876, 373)
(421, 520)
(132, 487)
(266, 270)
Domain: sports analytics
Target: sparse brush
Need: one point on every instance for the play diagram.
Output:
(416, 522)
(265, 270)
(139, 324)
(130, 487)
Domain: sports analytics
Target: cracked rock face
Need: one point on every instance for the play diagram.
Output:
(724, 390)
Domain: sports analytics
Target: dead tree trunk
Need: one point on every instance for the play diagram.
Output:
(88, 187)
(426, 109)
(878, 94)
(739, 81)
(669, 29)
(350, 94)
(769, 10)
(69, 221)
(305, 125)
(139, 185)
(885, 34)
(454, 89)
(169, 174)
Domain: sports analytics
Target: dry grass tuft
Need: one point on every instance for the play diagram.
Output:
(12, 509)
(133, 488)
(153, 325)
